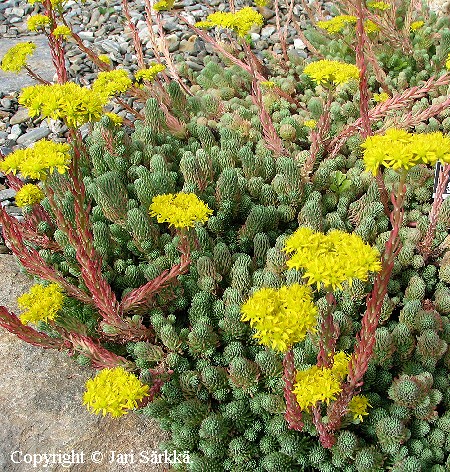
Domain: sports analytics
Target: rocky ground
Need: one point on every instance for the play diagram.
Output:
(41, 391)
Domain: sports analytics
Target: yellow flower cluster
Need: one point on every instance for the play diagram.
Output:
(380, 97)
(240, 22)
(447, 63)
(37, 162)
(332, 258)
(311, 124)
(16, 57)
(399, 149)
(37, 22)
(150, 73)
(379, 5)
(337, 24)
(181, 210)
(55, 3)
(104, 58)
(115, 118)
(42, 303)
(267, 83)
(110, 83)
(327, 72)
(62, 31)
(321, 383)
(358, 406)
(371, 27)
(70, 102)
(281, 317)
(415, 25)
(163, 5)
(114, 391)
(29, 194)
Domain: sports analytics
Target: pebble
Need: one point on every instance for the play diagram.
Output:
(33, 135)
(7, 194)
(20, 116)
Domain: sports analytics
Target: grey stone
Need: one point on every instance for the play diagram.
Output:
(7, 194)
(32, 136)
(6, 103)
(41, 403)
(15, 132)
(20, 116)
(40, 62)
(194, 65)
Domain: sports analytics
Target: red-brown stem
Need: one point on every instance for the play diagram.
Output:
(318, 135)
(281, 35)
(135, 35)
(326, 438)
(206, 37)
(143, 295)
(32, 261)
(271, 137)
(425, 246)
(365, 340)
(36, 76)
(56, 45)
(163, 47)
(361, 39)
(293, 414)
(329, 333)
(101, 358)
(12, 323)
(384, 195)
(397, 102)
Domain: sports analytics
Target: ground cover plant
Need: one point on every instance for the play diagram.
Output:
(254, 256)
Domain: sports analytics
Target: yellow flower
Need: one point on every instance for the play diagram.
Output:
(399, 149)
(181, 210)
(380, 97)
(337, 24)
(163, 5)
(447, 64)
(332, 258)
(55, 3)
(104, 58)
(16, 57)
(37, 22)
(110, 83)
(150, 73)
(240, 21)
(115, 118)
(371, 27)
(379, 5)
(311, 124)
(39, 161)
(114, 391)
(325, 72)
(320, 383)
(204, 24)
(42, 303)
(267, 83)
(29, 194)
(415, 25)
(70, 102)
(340, 365)
(358, 406)
(281, 317)
(63, 31)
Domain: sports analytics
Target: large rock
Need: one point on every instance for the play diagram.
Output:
(41, 406)
(40, 62)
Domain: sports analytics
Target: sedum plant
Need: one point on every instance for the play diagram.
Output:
(253, 256)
